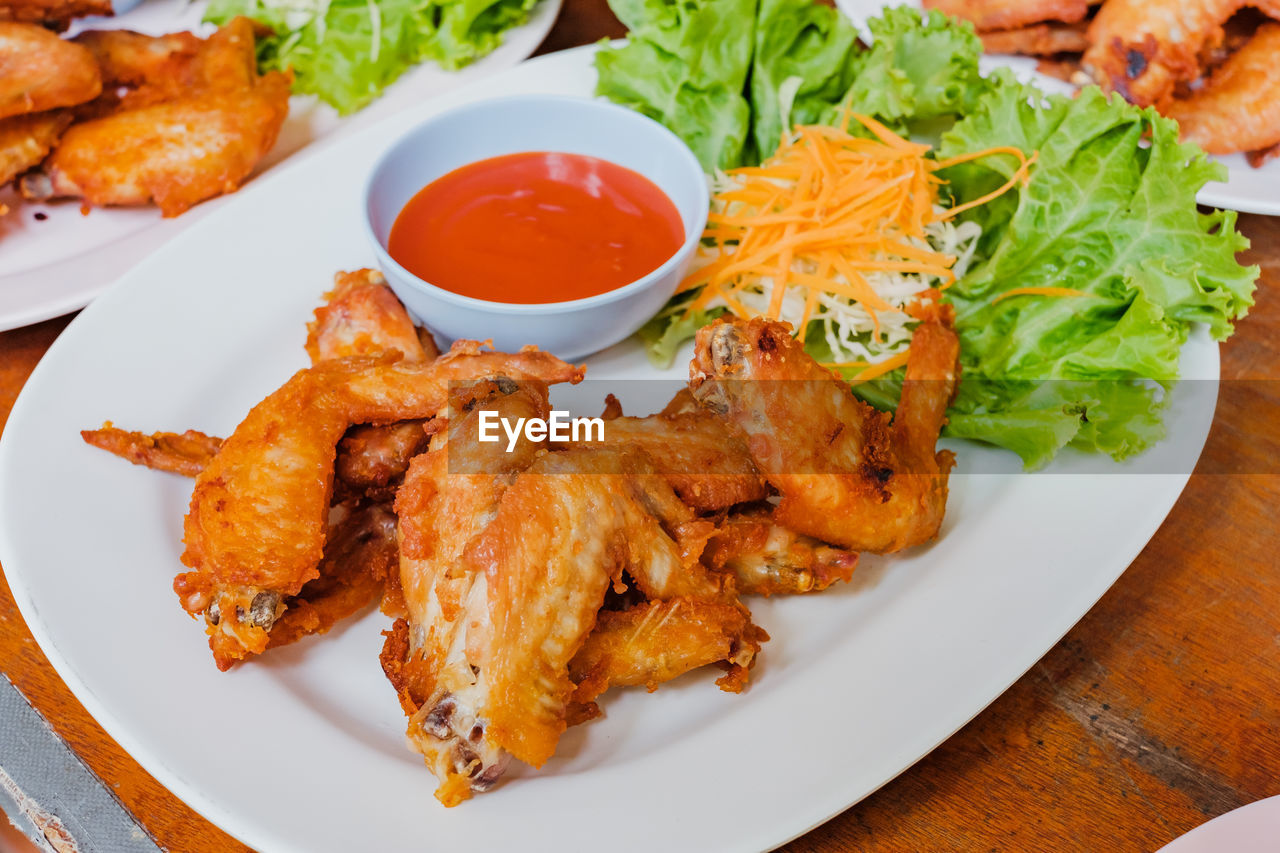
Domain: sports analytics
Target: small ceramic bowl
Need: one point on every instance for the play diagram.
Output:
(536, 123)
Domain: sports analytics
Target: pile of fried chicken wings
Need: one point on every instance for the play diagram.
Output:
(114, 117)
(525, 580)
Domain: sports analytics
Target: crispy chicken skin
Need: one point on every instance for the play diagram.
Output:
(766, 558)
(360, 555)
(441, 510)
(361, 316)
(186, 453)
(502, 594)
(55, 14)
(256, 528)
(140, 70)
(703, 456)
(1011, 14)
(1239, 107)
(846, 475)
(179, 152)
(26, 140)
(654, 642)
(39, 71)
(1144, 48)
(536, 587)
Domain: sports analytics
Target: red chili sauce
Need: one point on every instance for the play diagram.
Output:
(536, 227)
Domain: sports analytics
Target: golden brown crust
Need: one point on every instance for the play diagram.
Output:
(186, 453)
(26, 140)
(203, 141)
(257, 518)
(652, 643)
(845, 475)
(55, 14)
(766, 558)
(1238, 108)
(39, 71)
(702, 455)
(361, 316)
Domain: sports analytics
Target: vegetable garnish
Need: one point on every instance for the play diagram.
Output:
(843, 231)
(1109, 211)
(348, 51)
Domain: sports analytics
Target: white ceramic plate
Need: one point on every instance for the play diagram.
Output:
(1254, 828)
(1246, 189)
(57, 264)
(303, 750)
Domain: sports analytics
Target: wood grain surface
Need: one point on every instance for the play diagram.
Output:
(1157, 712)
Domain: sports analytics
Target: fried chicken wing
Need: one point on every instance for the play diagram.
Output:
(26, 140)
(652, 643)
(55, 14)
(440, 512)
(361, 316)
(256, 528)
(1238, 109)
(1011, 14)
(769, 559)
(39, 71)
(186, 453)
(179, 152)
(845, 474)
(1144, 48)
(539, 585)
(140, 70)
(703, 456)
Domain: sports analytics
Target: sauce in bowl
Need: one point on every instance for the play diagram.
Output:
(536, 227)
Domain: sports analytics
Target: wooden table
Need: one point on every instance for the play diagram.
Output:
(1159, 710)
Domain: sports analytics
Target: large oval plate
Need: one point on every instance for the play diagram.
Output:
(304, 749)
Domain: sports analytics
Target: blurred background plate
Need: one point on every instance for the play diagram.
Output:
(55, 259)
(1246, 189)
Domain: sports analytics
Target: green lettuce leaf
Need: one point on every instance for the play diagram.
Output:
(803, 63)
(921, 68)
(667, 330)
(1109, 211)
(685, 64)
(348, 51)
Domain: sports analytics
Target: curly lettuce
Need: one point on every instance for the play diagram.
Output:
(685, 64)
(348, 51)
(1108, 215)
(1109, 212)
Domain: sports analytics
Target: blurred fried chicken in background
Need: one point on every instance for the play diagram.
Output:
(53, 14)
(1214, 65)
(208, 119)
(40, 71)
(114, 117)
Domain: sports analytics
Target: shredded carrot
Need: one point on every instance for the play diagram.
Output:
(1069, 292)
(872, 371)
(824, 211)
